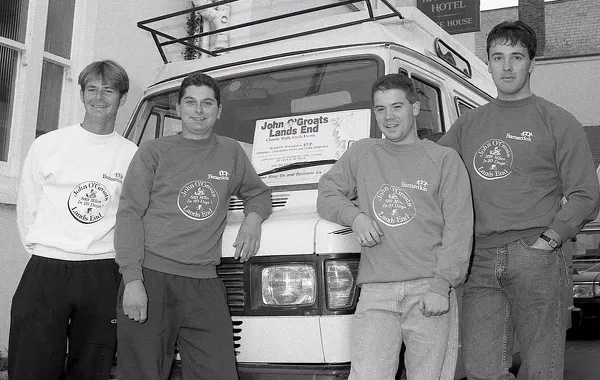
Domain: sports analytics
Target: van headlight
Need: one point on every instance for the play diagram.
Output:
(586, 290)
(287, 285)
(340, 283)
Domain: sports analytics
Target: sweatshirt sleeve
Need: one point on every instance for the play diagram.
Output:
(129, 227)
(579, 182)
(252, 190)
(337, 189)
(28, 198)
(457, 210)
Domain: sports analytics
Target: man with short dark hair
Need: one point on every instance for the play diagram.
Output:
(169, 230)
(409, 205)
(523, 154)
(66, 210)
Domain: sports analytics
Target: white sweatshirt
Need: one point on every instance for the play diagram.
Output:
(69, 193)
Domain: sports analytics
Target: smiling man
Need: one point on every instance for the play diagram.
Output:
(409, 206)
(169, 227)
(523, 154)
(66, 210)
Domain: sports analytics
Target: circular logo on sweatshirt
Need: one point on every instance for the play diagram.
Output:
(393, 206)
(198, 200)
(493, 160)
(88, 202)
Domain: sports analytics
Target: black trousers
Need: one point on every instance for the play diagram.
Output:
(190, 313)
(63, 320)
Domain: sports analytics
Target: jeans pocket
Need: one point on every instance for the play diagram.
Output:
(527, 243)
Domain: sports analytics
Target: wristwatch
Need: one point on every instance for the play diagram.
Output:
(551, 242)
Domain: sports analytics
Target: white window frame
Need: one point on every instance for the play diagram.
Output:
(23, 120)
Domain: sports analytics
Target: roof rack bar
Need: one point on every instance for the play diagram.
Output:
(170, 40)
(301, 34)
(369, 8)
(262, 21)
(159, 44)
(393, 9)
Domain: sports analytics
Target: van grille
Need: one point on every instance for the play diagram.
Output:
(232, 275)
(231, 272)
(277, 200)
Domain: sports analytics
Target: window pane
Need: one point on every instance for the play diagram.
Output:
(463, 107)
(429, 120)
(8, 67)
(50, 93)
(13, 19)
(59, 27)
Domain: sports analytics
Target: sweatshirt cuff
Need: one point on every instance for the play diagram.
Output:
(440, 286)
(257, 209)
(132, 274)
(562, 229)
(348, 215)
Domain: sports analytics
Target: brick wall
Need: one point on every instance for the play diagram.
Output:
(571, 28)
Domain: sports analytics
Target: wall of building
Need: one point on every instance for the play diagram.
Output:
(12, 262)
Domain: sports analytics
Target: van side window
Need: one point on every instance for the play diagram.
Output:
(462, 106)
(429, 120)
(149, 130)
(171, 126)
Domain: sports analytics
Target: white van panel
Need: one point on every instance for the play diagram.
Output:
(335, 332)
(273, 340)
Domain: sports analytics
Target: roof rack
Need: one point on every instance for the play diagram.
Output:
(162, 39)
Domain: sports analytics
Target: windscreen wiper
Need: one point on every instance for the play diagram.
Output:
(297, 165)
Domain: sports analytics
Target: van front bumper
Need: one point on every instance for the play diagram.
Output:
(267, 371)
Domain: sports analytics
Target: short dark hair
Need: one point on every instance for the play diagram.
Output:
(200, 79)
(109, 71)
(515, 32)
(396, 81)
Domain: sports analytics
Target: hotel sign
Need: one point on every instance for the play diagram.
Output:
(459, 16)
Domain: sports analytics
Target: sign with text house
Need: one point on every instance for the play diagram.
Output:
(459, 16)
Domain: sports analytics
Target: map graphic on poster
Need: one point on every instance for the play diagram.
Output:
(304, 139)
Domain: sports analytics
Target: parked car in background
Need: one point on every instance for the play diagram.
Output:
(586, 272)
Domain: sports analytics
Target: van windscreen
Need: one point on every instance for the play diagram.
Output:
(293, 123)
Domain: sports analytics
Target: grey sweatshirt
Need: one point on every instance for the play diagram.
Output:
(523, 157)
(419, 196)
(174, 203)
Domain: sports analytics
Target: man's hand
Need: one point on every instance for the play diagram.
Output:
(247, 241)
(542, 244)
(135, 301)
(366, 230)
(433, 304)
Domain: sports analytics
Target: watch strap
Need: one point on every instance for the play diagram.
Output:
(551, 242)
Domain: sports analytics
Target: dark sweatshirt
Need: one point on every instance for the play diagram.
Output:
(523, 157)
(174, 203)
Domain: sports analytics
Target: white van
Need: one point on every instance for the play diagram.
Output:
(295, 100)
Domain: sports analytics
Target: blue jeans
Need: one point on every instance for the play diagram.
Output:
(388, 314)
(521, 288)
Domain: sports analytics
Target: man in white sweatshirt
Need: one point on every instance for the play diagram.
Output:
(69, 191)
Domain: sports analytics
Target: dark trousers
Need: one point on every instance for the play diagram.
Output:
(63, 320)
(189, 313)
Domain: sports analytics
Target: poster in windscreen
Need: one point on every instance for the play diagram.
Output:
(299, 149)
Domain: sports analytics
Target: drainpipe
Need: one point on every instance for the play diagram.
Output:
(219, 17)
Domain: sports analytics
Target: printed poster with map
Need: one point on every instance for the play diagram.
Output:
(299, 149)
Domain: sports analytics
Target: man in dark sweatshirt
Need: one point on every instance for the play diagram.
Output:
(523, 154)
(409, 205)
(168, 234)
